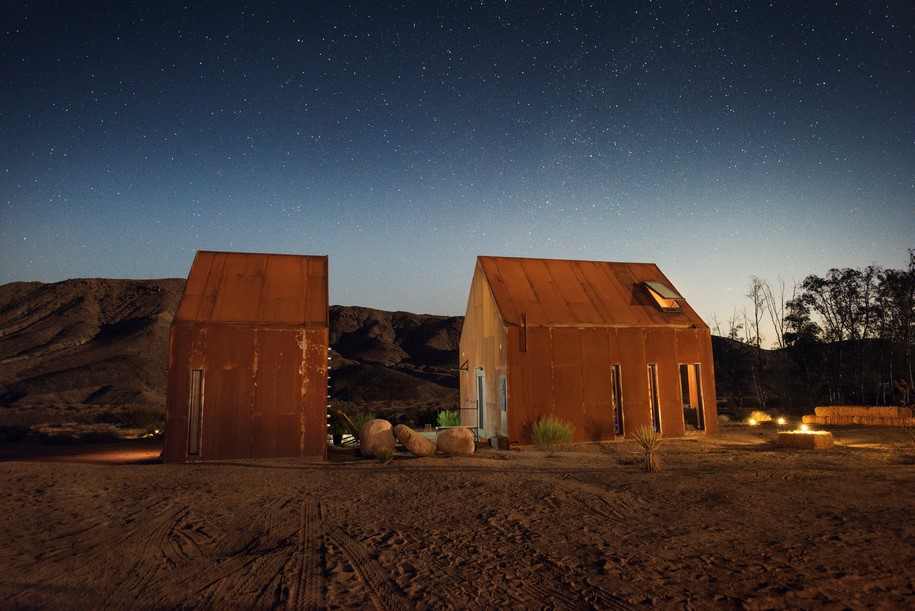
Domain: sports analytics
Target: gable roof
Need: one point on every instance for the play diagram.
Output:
(559, 292)
(255, 288)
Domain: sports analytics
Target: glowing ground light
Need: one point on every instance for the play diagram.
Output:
(752, 422)
(804, 428)
(782, 421)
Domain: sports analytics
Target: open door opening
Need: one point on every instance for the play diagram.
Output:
(691, 393)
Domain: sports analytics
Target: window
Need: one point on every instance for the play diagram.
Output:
(664, 296)
(503, 395)
(616, 387)
(195, 412)
(653, 399)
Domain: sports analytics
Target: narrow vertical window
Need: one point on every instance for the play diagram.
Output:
(653, 398)
(503, 395)
(616, 387)
(195, 409)
(700, 408)
(481, 403)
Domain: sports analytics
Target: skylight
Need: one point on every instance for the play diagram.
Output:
(664, 296)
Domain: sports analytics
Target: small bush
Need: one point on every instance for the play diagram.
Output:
(649, 441)
(549, 433)
(384, 456)
(449, 418)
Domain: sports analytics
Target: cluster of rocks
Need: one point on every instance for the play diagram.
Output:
(378, 434)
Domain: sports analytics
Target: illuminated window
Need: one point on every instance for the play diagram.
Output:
(664, 296)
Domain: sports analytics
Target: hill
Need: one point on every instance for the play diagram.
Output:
(97, 350)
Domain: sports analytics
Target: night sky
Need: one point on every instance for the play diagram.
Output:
(718, 140)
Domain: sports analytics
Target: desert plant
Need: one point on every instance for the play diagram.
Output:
(649, 441)
(549, 433)
(353, 422)
(384, 455)
(449, 418)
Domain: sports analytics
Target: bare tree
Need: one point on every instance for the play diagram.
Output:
(757, 296)
(776, 307)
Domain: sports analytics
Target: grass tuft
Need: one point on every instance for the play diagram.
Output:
(384, 455)
(449, 418)
(550, 433)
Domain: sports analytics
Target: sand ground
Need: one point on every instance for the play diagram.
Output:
(732, 521)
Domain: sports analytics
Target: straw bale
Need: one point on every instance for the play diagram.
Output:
(853, 411)
(806, 441)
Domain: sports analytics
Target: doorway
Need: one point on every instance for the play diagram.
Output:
(691, 394)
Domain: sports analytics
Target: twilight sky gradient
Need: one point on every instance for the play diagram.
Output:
(718, 140)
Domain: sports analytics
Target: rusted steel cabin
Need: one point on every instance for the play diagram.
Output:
(608, 347)
(247, 371)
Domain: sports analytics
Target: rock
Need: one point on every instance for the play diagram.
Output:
(415, 443)
(374, 435)
(456, 441)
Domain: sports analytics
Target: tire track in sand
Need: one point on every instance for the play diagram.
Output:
(380, 587)
(309, 588)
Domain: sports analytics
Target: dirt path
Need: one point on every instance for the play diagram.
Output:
(731, 522)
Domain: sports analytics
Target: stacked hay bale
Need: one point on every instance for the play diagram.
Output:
(880, 415)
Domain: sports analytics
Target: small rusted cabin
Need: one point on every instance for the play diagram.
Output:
(247, 370)
(608, 347)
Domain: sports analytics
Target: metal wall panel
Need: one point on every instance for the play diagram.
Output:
(256, 324)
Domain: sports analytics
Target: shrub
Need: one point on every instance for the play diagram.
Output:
(549, 433)
(649, 441)
(449, 418)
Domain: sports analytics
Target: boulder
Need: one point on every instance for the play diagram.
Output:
(456, 441)
(415, 444)
(374, 435)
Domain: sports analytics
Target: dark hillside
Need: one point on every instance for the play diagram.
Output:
(98, 348)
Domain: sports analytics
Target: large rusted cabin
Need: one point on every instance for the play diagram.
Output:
(247, 372)
(608, 347)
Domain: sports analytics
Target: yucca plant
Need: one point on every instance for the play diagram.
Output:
(649, 441)
(449, 418)
(549, 433)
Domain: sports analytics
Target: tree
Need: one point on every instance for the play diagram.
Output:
(775, 307)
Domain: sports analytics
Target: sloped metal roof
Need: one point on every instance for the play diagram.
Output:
(559, 292)
(256, 288)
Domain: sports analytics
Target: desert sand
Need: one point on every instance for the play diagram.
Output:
(732, 521)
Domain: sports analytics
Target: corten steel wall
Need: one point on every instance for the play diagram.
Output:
(482, 344)
(565, 370)
(256, 325)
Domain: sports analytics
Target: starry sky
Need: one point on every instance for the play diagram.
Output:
(719, 140)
